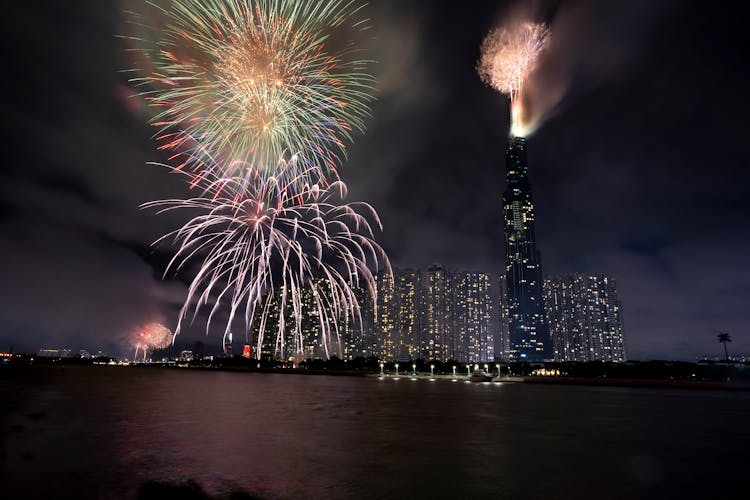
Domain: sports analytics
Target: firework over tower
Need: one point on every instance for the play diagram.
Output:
(528, 335)
(508, 58)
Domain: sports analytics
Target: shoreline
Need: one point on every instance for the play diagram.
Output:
(592, 381)
(647, 383)
(552, 380)
(729, 385)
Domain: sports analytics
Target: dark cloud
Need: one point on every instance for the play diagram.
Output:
(640, 169)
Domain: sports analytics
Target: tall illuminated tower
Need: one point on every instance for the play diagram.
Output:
(528, 335)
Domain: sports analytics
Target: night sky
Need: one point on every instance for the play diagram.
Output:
(639, 169)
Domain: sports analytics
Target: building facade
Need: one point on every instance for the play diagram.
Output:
(528, 337)
(500, 318)
(445, 315)
(409, 304)
(436, 315)
(585, 318)
(472, 332)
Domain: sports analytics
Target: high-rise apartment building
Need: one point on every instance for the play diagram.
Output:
(527, 335)
(437, 313)
(500, 320)
(360, 331)
(292, 334)
(479, 316)
(385, 332)
(408, 290)
(584, 317)
(472, 334)
(392, 325)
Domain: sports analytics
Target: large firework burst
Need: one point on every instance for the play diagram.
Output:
(241, 84)
(260, 244)
(255, 103)
(508, 56)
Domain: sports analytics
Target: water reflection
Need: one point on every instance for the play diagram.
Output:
(105, 432)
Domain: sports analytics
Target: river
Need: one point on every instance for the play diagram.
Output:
(104, 432)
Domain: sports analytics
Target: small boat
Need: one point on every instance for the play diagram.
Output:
(480, 376)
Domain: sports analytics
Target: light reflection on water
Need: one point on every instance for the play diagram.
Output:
(95, 432)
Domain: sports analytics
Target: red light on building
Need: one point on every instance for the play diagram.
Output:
(246, 351)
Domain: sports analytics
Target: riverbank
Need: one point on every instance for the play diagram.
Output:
(731, 385)
(630, 382)
(31, 371)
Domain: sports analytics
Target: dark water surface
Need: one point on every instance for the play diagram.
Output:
(102, 432)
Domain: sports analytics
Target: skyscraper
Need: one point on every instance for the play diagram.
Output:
(287, 336)
(437, 314)
(409, 299)
(471, 333)
(391, 326)
(385, 338)
(361, 333)
(584, 317)
(502, 341)
(528, 335)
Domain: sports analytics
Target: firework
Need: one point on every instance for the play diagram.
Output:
(242, 85)
(507, 58)
(255, 104)
(149, 337)
(260, 245)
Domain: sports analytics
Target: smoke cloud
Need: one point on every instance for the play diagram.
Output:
(590, 44)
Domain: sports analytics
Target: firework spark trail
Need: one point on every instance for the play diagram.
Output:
(149, 337)
(260, 244)
(507, 58)
(242, 84)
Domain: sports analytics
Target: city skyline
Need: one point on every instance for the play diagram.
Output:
(440, 314)
(650, 201)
